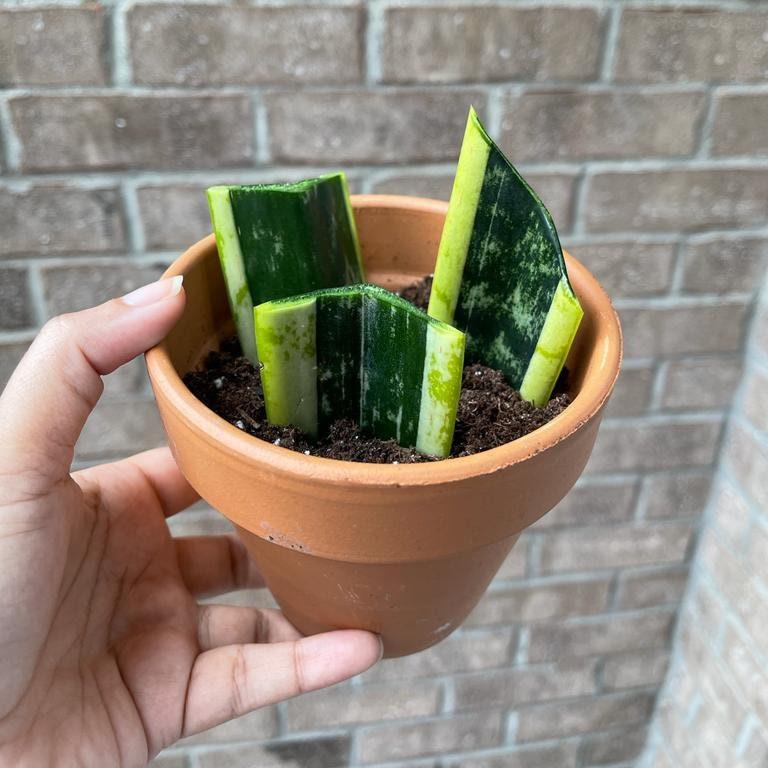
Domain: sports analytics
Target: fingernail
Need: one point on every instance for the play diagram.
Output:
(381, 643)
(154, 292)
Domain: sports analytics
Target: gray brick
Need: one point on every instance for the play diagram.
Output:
(634, 670)
(536, 602)
(129, 379)
(707, 44)
(469, 44)
(459, 733)
(628, 268)
(47, 219)
(122, 131)
(513, 687)
(555, 189)
(200, 520)
(370, 703)
(358, 127)
(53, 46)
(169, 761)
(705, 608)
(325, 752)
(516, 562)
(593, 503)
(677, 199)
(756, 749)
(686, 329)
(173, 217)
(747, 459)
(10, 356)
(632, 394)
(755, 404)
(68, 289)
(539, 756)
(707, 382)
(215, 45)
(569, 718)
(575, 125)
(595, 636)
(614, 547)
(658, 759)
(732, 516)
(245, 598)
(119, 428)
(435, 186)
(15, 301)
(260, 724)
(739, 124)
(682, 754)
(461, 652)
(613, 747)
(676, 495)
(648, 589)
(719, 717)
(739, 588)
(724, 266)
(643, 446)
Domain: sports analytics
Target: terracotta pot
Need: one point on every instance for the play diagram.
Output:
(405, 551)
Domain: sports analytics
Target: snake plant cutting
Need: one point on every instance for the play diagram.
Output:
(362, 353)
(331, 347)
(278, 240)
(500, 273)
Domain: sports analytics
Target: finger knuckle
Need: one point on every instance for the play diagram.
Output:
(299, 667)
(239, 683)
(57, 329)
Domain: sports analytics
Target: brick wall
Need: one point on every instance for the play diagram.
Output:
(643, 128)
(714, 709)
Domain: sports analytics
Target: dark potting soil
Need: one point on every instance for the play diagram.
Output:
(490, 412)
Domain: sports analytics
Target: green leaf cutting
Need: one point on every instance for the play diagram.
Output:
(278, 240)
(500, 273)
(360, 352)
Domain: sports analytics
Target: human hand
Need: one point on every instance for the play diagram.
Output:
(105, 655)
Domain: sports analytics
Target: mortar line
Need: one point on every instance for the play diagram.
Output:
(134, 221)
(707, 125)
(262, 150)
(660, 374)
(510, 726)
(371, 39)
(494, 109)
(125, 84)
(678, 271)
(610, 43)
(9, 139)
(121, 66)
(578, 204)
(37, 294)
(591, 167)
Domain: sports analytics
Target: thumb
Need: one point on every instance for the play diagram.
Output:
(58, 382)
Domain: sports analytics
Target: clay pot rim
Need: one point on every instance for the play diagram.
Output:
(250, 449)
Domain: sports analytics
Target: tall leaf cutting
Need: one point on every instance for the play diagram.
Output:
(360, 352)
(277, 240)
(500, 273)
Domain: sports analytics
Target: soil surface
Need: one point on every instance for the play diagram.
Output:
(490, 413)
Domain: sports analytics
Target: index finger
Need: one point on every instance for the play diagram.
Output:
(58, 381)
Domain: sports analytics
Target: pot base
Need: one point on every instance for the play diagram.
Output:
(412, 605)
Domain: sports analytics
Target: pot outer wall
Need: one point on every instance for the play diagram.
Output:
(404, 551)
